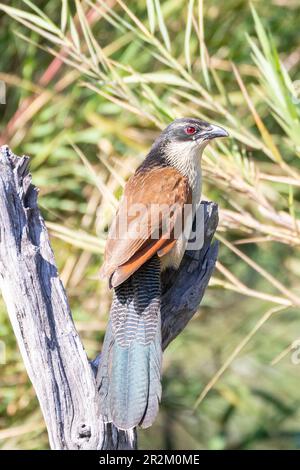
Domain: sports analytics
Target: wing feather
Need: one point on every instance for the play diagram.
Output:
(153, 201)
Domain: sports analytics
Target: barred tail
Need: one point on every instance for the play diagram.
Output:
(130, 369)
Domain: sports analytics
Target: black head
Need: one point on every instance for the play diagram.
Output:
(182, 139)
(191, 129)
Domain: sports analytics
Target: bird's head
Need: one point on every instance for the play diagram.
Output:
(192, 130)
(187, 137)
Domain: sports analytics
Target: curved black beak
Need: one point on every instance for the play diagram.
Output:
(214, 132)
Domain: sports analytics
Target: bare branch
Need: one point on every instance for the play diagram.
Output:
(38, 308)
(183, 289)
(40, 314)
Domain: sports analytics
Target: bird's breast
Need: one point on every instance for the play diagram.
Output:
(174, 257)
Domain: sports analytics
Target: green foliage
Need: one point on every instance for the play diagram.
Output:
(89, 85)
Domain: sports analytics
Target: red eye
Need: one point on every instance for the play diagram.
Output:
(190, 130)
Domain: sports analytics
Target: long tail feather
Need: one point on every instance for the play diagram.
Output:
(130, 369)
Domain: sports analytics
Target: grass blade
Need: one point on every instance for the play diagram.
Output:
(162, 25)
(151, 15)
(64, 15)
(187, 38)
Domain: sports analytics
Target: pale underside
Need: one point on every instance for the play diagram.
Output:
(171, 193)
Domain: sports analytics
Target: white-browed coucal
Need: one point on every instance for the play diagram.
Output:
(141, 243)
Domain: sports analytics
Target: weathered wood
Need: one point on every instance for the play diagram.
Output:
(39, 311)
(183, 289)
(38, 308)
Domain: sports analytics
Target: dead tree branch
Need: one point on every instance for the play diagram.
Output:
(56, 362)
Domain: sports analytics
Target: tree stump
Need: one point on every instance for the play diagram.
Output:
(56, 362)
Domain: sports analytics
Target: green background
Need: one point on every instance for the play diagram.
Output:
(110, 102)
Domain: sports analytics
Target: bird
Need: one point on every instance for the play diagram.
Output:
(141, 244)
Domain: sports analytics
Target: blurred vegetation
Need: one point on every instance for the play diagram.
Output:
(89, 85)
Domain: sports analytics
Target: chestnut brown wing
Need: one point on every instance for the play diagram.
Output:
(152, 203)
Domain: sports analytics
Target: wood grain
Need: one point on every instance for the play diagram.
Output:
(56, 362)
